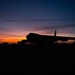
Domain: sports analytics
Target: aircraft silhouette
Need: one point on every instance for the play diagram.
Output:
(43, 39)
(37, 38)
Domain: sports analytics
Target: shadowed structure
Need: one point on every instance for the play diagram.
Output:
(45, 39)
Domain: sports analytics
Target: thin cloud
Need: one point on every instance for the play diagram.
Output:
(55, 27)
(34, 20)
(10, 35)
(1, 39)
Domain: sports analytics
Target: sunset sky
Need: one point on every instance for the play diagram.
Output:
(20, 17)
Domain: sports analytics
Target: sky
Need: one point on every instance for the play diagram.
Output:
(18, 18)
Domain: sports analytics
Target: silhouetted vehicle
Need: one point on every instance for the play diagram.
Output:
(34, 38)
(37, 38)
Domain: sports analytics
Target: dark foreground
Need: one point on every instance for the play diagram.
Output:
(37, 59)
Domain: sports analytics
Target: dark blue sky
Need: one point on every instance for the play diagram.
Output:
(19, 17)
(37, 9)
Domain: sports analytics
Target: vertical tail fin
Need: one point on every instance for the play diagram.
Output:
(55, 33)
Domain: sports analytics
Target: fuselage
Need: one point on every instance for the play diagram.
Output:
(36, 38)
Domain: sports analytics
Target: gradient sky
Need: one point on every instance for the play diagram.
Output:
(20, 17)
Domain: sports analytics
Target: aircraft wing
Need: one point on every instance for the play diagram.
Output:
(62, 38)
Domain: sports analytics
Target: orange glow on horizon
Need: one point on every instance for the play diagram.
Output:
(11, 39)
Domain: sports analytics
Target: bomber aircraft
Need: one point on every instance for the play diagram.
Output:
(34, 38)
(37, 38)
